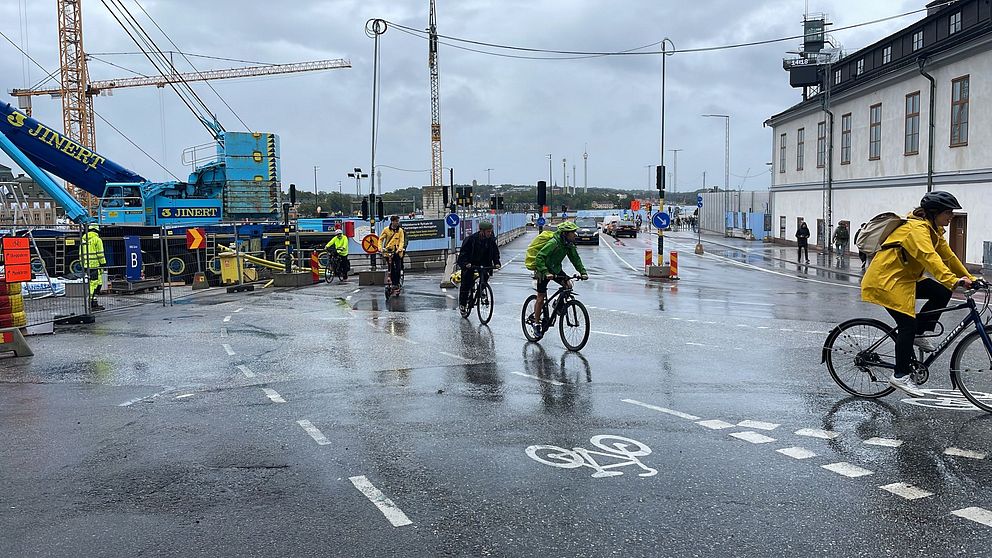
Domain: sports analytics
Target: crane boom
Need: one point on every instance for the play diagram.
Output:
(436, 167)
(95, 87)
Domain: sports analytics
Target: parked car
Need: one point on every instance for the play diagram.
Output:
(626, 228)
(588, 232)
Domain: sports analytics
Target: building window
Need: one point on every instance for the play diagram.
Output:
(912, 123)
(861, 66)
(781, 153)
(875, 132)
(845, 139)
(955, 23)
(917, 41)
(800, 147)
(836, 77)
(887, 55)
(821, 145)
(959, 111)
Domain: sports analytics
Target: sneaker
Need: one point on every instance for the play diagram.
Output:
(907, 385)
(463, 309)
(926, 344)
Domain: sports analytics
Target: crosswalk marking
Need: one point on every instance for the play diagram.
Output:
(715, 424)
(958, 452)
(976, 514)
(816, 433)
(679, 414)
(906, 491)
(752, 437)
(758, 424)
(884, 442)
(797, 452)
(846, 469)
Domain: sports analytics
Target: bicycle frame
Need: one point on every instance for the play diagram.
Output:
(561, 296)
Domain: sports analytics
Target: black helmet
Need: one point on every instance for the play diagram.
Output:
(935, 202)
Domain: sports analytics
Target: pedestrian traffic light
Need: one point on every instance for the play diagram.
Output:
(542, 193)
(659, 178)
(365, 208)
(379, 209)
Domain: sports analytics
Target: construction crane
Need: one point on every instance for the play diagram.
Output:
(435, 102)
(77, 91)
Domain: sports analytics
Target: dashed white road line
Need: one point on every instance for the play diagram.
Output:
(246, 371)
(455, 356)
(391, 511)
(753, 437)
(758, 424)
(223, 332)
(906, 491)
(545, 380)
(715, 424)
(679, 414)
(846, 469)
(227, 319)
(978, 515)
(273, 395)
(634, 269)
(314, 432)
(958, 452)
(230, 351)
(884, 442)
(139, 399)
(797, 452)
(610, 334)
(238, 310)
(185, 395)
(355, 291)
(816, 433)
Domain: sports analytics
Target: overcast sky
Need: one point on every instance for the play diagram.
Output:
(496, 112)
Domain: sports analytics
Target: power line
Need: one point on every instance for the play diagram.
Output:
(207, 56)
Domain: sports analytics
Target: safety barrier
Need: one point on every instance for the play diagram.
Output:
(58, 287)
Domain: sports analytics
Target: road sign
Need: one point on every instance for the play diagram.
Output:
(195, 238)
(541, 221)
(370, 244)
(452, 220)
(17, 259)
(132, 250)
(699, 200)
(661, 220)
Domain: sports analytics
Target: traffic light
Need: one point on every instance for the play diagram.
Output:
(564, 208)
(365, 208)
(292, 195)
(499, 203)
(444, 196)
(492, 202)
(379, 209)
(542, 193)
(659, 178)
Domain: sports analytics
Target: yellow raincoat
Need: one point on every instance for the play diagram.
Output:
(892, 276)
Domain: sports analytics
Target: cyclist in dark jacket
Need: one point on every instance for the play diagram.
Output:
(478, 250)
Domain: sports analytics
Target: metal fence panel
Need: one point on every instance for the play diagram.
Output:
(58, 289)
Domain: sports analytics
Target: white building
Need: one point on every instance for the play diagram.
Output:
(864, 145)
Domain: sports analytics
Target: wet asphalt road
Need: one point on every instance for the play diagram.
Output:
(326, 422)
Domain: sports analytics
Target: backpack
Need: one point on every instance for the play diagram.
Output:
(870, 238)
(530, 260)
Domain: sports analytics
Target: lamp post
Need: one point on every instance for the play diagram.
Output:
(675, 173)
(661, 159)
(564, 179)
(358, 175)
(726, 165)
(551, 192)
(315, 167)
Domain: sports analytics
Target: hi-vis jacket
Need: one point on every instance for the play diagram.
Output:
(92, 251)
(892, 275)
(340, 245)
(392, 241)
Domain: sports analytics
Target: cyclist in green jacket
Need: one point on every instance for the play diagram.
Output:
(548, 264)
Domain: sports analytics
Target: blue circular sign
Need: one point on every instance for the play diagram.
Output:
(452, 220)
(699, 200)
(661, 220)
(541, 221)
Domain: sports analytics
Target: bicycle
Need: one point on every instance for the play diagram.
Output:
(574, 325)
(391, 289)
(335, 268)
(870, 346)
(481, 296)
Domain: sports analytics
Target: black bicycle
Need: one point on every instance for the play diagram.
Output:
(335, 268)
(571, 315)
(481, 295)
(860, 353)
(391, 289)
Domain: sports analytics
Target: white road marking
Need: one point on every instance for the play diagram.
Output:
(816, 433)
(958, 452)
(314, 433)
(695, 344)
(758, 424)
(455, 356)
(906, 491)
(545, 380)
(392, 512)
(632, 268)
(884, 442)
(238, 310)
(246, 371)
(797, 452)
(227, 319)
(273, 395)
(139, 399)
(762, 327)
(978, 515)
(185, 395)
(410, 341)
(608, 333)
(230, 351)
(676, 319)
(686, 416)
(355, 291)
(756, 268)
(223, 332)
(715, 424)
(752, 437)
(846, 469)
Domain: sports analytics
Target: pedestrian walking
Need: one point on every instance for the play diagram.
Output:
(841, 237)
(802, 240)
(94, 260)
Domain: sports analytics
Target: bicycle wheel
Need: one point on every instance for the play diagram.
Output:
(621, 445)
(573, 325)
(484, 306)
(328, 273)
(852, 365)
(971, 370)
(555, 456)
(528, 311)
(466, 310)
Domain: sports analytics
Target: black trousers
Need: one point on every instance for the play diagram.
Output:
(803, 247)
(468, 280)
(937, 296)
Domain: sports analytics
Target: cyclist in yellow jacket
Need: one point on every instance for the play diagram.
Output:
(338, 247)
(895, 279)
(392, 245)
(93, 259)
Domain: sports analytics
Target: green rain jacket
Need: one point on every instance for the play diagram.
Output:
(553, 253)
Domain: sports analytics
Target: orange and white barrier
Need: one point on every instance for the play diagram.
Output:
(673, 265)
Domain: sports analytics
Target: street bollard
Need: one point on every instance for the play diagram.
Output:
(673, 265)
(648, 257)
(314, 267)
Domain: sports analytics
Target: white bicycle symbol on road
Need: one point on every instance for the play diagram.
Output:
(948, 399)
(613, 447)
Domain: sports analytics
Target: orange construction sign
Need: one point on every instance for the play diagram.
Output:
(370, 243)
(635, 205)
(195, 239)
(17, 259)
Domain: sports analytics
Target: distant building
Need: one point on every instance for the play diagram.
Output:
(861, 144)
(604, 205)
(24, 200)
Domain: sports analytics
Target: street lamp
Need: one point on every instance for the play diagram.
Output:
(726, 164)
(661, 160)
(675, 173)
(551, 190)
(358, 175)
(315, 167)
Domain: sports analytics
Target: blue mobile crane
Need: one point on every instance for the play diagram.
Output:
(241, 183)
